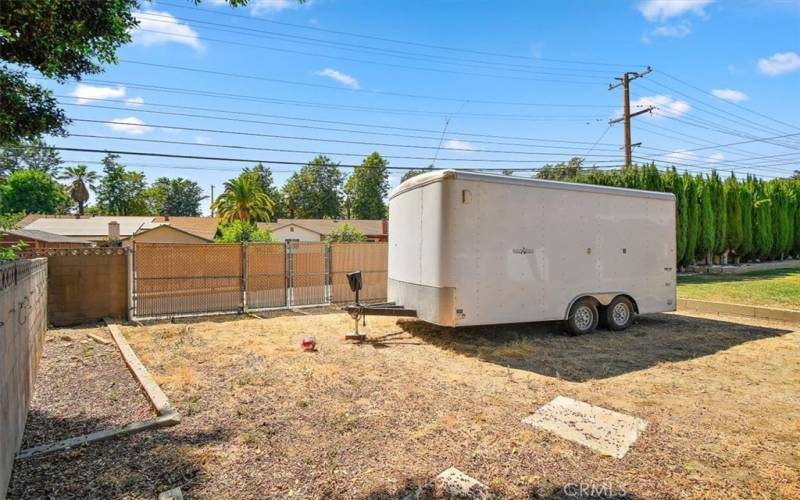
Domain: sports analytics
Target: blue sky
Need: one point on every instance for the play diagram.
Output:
(527, 84)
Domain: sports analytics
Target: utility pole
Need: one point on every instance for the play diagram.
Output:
(624, 82)
(212, 200)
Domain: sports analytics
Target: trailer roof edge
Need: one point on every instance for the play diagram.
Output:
(441, 175)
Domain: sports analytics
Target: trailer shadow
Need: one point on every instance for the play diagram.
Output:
(544, 349)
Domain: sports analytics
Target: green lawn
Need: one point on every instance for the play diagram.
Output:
(779, 288)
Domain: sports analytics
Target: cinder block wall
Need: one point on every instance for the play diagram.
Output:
(85, 285)
(23, 313)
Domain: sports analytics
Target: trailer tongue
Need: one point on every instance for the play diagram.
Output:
(359, 311)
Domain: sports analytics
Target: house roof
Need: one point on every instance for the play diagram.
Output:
(325, 226)
(205, 227)
(168, 228)
(28, 219)
(91, 227)
(96, 227)
(34, 234)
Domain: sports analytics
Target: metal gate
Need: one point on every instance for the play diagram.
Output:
(193, 279)
(308, 273)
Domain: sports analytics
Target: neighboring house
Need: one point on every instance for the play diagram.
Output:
(99, 229)
(164, 234)
(41, 239)
(318, 229)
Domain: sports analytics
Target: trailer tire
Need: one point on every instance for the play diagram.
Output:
(619, 313)
(583, 317)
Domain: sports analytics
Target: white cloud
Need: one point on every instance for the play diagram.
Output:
(85, 93)
(779, 63)
(170, 130)
(168, 28)
(202, 139)
(655, 10)
(458, 144)
(130, 125)
(134, 101)
(261, 7)
(680, 155)
(344, 79)
(730, 95)
(668, 31)
(716, 158)
(664, 106)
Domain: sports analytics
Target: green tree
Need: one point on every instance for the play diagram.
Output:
(762, 222)
(239, 231)
(415, 172)
(692, 219)
(367, 187)
(81, 180)
(32, 191)
(719, 206)
(315, 191)
(706, 242)
(673, 183)
(345, 233)
(174, 197)
(265, 179)
(243, 199)
(32, 153)
(746, 203)
(60, 39)
(568, 171)
(733, 204)
(121, 192)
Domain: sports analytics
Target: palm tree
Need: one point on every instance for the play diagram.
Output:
(83, 180)
(243, 199)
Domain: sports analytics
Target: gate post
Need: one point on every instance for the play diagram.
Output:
(288, 272)
(328, 273)
(131, 282)
(244, 276)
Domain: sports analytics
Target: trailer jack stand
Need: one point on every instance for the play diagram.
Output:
(356, 335)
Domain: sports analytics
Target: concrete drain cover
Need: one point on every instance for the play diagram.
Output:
(600, 429)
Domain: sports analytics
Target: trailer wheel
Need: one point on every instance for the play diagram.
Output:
(583, 317)
(619, 313)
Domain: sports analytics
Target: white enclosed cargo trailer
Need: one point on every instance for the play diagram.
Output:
(471, 248)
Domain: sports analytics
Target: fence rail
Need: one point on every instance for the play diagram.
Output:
(194, 279)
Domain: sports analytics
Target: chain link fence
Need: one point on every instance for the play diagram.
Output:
(195, 279)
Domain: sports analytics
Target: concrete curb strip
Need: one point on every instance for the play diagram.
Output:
(703, 306)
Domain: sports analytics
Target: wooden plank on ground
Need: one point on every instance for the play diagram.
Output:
(99, 339)
(162, 421)
(154, 393)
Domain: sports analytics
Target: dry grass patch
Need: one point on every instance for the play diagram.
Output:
(380, 418)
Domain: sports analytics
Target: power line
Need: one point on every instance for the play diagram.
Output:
(403, 42)
(257, 160)
(771, 118)
(261, 34)
(282, 150)
(333, 129)
(328, 87)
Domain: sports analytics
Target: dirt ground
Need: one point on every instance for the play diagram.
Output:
(262, 419)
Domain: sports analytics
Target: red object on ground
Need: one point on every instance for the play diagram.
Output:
(309, 344)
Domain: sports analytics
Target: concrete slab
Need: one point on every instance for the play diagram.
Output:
(602, 430)
(173, 494)
(454, 484)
